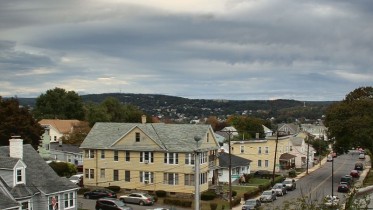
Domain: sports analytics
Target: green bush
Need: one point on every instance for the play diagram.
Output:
(213, 206)
(234, 193)
(113, 188)
(82, 190)
(63, 169)
(208, 196)
(177, 202)
(292, 173)
(161, 193)
(251, 194)
(236, 201)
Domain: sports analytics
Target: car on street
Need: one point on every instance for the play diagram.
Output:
(289, 184)
(268, 196)
(280, 189)
(359, 166)
(251, 204)
(330, 158)
(347, 179)
(355, 173)
(331, 201)
(100, 193)
(111, 204)
(343, 187)
(361, 156)
(138, 198)
(77, 179)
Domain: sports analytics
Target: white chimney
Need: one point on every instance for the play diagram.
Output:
(16, 147)
(143, 119)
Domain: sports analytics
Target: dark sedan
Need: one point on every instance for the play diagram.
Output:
(343, 187)
(100, 193)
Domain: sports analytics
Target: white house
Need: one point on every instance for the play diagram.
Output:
(239, 167)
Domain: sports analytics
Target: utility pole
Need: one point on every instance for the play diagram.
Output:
(274, 161)
(308, 152)
(230, 170)
(196, 174)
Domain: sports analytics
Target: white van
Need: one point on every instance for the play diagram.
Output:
(330, 158)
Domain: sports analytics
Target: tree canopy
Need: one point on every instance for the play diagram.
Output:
(16, 120)
(58, 103)
(247, 127)
(350, 122)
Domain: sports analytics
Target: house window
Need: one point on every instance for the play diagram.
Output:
(116, 175)
(259, 163)
(171, 158)
(171, 178)
(128, 157)
(52, 202)
(146, 177)
(291, 148)
(189, 159)
(203, 178)
(207, 137)
(116, 154)
(89, 153)
(259, 150)
(266, 163)
(55, 138)
(236, 171)
(102, 154)
(25, 205)
(69, 200)
(203, 157)
(69, 159)
(146, 157)
(102, 173)
(19, 174)
(266, 150)
(127, 176)
(242, 149)
(89, 173)
(137, 137)
(47, 146)
(189, 179)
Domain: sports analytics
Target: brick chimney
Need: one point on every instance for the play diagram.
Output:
(16, 147)
(143, 119)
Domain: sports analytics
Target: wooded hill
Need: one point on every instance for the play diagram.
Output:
(173, 107)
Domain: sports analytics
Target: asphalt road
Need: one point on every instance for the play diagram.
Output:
(316, 185)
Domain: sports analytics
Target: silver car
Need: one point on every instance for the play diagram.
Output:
(138, 198)
(280, 189)
(268, 196)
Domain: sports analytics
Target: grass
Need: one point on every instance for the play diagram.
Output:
(368, 179)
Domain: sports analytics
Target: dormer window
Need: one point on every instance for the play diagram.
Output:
(20, 175)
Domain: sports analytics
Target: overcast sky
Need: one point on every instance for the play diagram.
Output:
(317, 50)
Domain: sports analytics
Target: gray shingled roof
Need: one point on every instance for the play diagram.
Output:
(65, 147)
(8, 163)
(170, 137)
(39, 175)
(297, 141)
(7, 203)
(235, 160)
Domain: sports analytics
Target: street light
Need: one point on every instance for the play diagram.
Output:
(196, 174)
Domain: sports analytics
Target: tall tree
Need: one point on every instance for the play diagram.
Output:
(16, 120)
(59, 103)
(350, 122)
(248, 127)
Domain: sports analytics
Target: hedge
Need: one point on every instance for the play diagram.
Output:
(177, 202)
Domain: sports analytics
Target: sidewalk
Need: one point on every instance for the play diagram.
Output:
(310, 170)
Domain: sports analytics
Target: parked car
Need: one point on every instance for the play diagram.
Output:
(361, 156)
(268, 196)
(359, 166)
(330, 158)
(347, 179)
(111, 204)
(138, 198)
(77, 179)
(331, 201)
(355, 173)
(280, 189)
(343, 187)
(100, 193)
(289, 184)
(251, 204)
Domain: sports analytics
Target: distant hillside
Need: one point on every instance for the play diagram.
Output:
(173, 107)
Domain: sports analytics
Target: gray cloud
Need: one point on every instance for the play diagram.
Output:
(303, 50)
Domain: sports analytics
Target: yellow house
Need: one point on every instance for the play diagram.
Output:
(262, 153)
(149, 156)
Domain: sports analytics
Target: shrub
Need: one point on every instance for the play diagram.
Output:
(82, 190)
(208, 195)
(63, 169)
(161, 193)
(292, 173)
(234, 193)
(113, 188)
(213, 206)
(177, 202)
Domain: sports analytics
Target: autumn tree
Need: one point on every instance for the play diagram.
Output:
(16, 120)
(350, 122)
(58, 103)
(78, 134)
